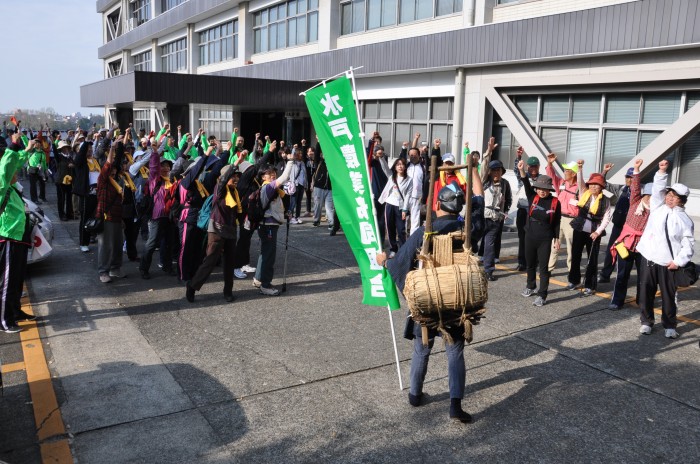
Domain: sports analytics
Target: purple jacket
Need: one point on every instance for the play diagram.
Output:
(156, 186)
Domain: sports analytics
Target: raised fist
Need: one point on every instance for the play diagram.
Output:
(638, 163)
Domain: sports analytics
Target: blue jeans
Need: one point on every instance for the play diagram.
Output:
(268, 251)
(157, 230)
(456, 371)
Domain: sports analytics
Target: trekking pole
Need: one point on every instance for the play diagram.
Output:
(286, 248)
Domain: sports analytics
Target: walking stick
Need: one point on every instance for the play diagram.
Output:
(286, 248)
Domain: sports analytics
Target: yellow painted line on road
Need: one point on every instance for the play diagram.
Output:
(47, 414)
(12, 367)
(607, 296)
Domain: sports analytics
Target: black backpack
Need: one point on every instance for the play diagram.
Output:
(256, 210)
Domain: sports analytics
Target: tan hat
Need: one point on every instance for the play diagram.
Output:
(62, 144)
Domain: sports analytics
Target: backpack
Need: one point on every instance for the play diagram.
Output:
(172, 200)
(205, 213)
(143, 201)
(256, 210)
(553, 209)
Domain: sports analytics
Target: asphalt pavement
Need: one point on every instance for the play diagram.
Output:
(141, 375)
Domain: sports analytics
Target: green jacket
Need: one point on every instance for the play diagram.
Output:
(12, 220)
(193, 151)
(37, 158)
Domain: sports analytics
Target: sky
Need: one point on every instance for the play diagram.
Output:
(67, 33)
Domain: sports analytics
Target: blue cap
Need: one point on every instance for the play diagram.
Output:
(630, 172)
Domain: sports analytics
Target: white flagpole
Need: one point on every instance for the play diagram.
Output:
(351, 75)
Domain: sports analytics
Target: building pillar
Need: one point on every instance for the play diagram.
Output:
(192, 61)
(246, 45)
(483, 13)
(155, 54)
(328, 19)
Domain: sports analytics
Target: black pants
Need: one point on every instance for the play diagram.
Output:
(651, 276)
(88, 205)
(608, 266)
(490, 243)
(13, 262)
(520, 220)
(583, 240)
(379, 207)
(192, 238)
(296, 203)
(396, 227)
(624, 269)
(242, 255)
(215, 247)
(33, 180)
(64, 194)
(131, 235)
(537, 254)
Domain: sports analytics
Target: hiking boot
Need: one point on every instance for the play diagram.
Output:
(415, 400)
(528, 292)
(645, 329)
(491, 278)
(587, 292)
(105, 278)
(539, 301)
(256, 283)
(26, 317)
(12, 329)
(457, 413)
(229, 297)
(333, 232)
(247, 268)
(670, 333)
(572, 286)
(269, 291)
(239, 274)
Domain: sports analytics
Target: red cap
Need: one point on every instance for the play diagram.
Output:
(597, 179)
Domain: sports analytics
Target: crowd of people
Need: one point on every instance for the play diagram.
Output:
(198, 200)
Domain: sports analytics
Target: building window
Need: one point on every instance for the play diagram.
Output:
(285, 25)
(216, 122)
(398, 120)
(362, 15)
(174, 56)
(141, 11)
(142, 120)
(114, 68)
(142, 61)
(220, 43)
(605, 128)
(166, 5)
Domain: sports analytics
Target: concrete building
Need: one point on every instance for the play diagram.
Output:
(601, 80)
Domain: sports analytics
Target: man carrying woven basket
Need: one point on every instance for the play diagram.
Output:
(450, 202)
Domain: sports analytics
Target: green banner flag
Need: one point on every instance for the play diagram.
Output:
(334, 115)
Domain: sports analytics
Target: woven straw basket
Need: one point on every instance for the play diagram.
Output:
(452, 282)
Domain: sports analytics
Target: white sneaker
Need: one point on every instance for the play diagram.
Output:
(116, 273)
(239, 274)
(299, 221)
(247, 268)
(671, 333)
(270, 291)
(84, 249)
(496, 260)
(645, 330)
(256, 283)
(105, 279)
(293, 221)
